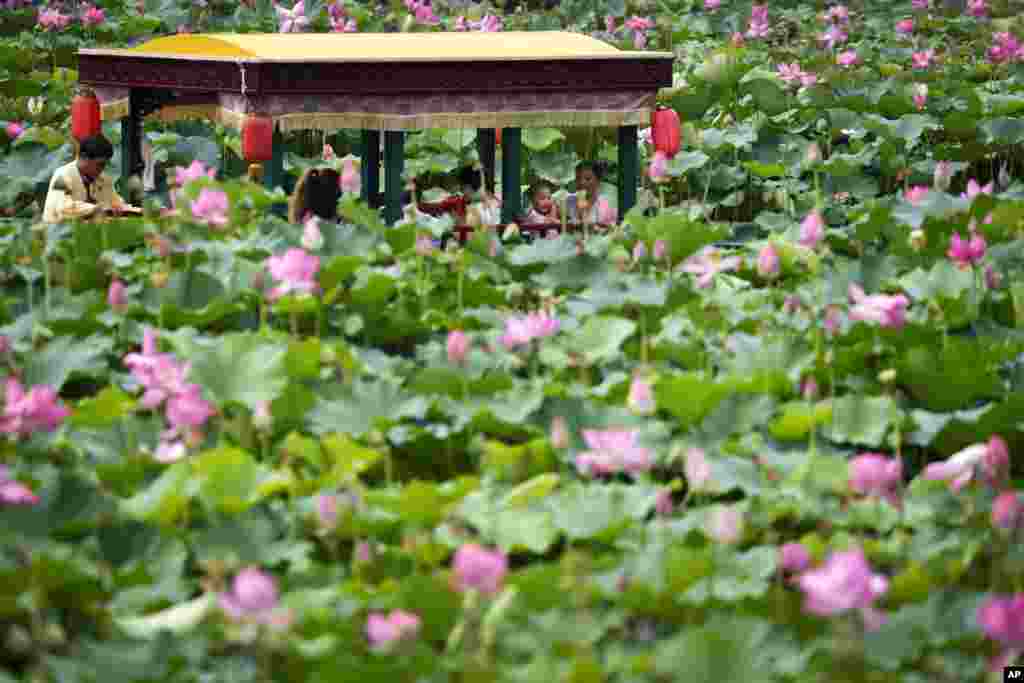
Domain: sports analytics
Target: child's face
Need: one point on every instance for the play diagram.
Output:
(542, 201)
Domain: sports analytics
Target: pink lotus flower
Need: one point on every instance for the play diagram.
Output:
(641, 398)
(211, 207)
(327, 510)
(809, 388)
(697, 470)
(905, 27)
(848, 58)
(639, 252)
(35, 411)
(709, 263)
(993, 280)
(458, 347)
(833, 320)
(712, 5)
(966, 253)
(344, 25)
(991, 458)
(974, 189)
(657, 171)
(195, 171)
(794, 557)
(660, 251)
(612, 451)
(14, 130)
(1005, 49)
(170, 451)
(737, 39)
(53, 20)
(923, 59)
(638, 25)
(116, 298)
(292, 20)
(768, 262)
(159, 373)
(872, 474)
(919, 94)
(520, 331)
(489, 24)
(977, 8)
(312, 238)
(839, 14)
(187, 409)
(663, 506)
(759, 27)
(363, 552)
(1007, 510)
(479, 569)
(833, 36)
(253, 598)
(885, 311)
(384, 631)
(916, 194)
(1002, 620)
(13, 492)
(328, 151)
(845, 582)
(812, 230)
(93, 16)
(609, 23)
(724, 524)
(921, 4)
(790, 73)
(350, 180)
(295, 271)
(606, 215)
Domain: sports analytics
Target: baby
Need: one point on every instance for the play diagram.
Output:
(542, 207)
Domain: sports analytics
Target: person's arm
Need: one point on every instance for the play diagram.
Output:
(60, 206)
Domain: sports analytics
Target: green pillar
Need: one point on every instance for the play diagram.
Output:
(370, 170)
(394, 160)
(273, 170)
(629, 169)
(131, 140)
(511, 192)
(486, 140)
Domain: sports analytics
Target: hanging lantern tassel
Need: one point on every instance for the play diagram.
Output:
(665, 131)
(258, 138)
(86, 120)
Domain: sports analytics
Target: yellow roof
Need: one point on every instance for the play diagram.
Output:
(381, 47)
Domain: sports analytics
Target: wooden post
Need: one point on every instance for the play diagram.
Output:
(511, 192)
(131, 139)
(629, 169)
(486, 140)
(394, 161)
(370, 168)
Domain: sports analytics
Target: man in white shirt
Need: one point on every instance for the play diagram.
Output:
(80, 189)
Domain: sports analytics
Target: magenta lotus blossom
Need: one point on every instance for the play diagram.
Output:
(254, 599)
(809, 388)
(327, 510)
(974, 189)
(794, 557)
(759, 26)
(905, 27)
(479, 569)
(292, 20)
(116, 297)
(839, 14)
(790, 73)
(697, 470)
(195, 171)
(712, 5)
(348, 25)
(1001, 619)
(833, 320)
(1006, 48)
(639, 252)
(312, 238)
(768, 262)
(922, 59)
(708, 263)
(660, 250)
(609, 23)
(1007, 510)
(491, 23)
(160, 374)
(833, 36)
(641, 397)
(458, 347)
(39, 410)
(737, 39)
(13, 492)
(881, 309)
(991, 458)
(663, 505)
(14, 130)
(977, 8)
(919, 95)
(296, 271)
(384, 631)
(657, 171)
(921, 4)
(53, 20)
(844, 583)
(848, 58)
(350, 181)
(211, 207)
(187, 409)
(612, 451)
(873, 474)
(93, 16)
(812, 230)
(724, 524)
(520, 331)
(916, 194)
(638, 25)
(966, 253)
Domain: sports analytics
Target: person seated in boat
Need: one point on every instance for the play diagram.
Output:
(542, 207)
(80, 189)
(590, 204)
(317, 193)
(484, 207)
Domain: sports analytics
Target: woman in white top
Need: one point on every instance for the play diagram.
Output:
(589, 205)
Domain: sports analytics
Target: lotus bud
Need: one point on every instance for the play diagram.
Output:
(918, 240)
(887, 376)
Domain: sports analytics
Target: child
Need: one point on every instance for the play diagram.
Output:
(543, 208)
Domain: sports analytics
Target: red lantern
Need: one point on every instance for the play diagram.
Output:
(258, 138)
(497, 136)
(86, 120)
(665, 131)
